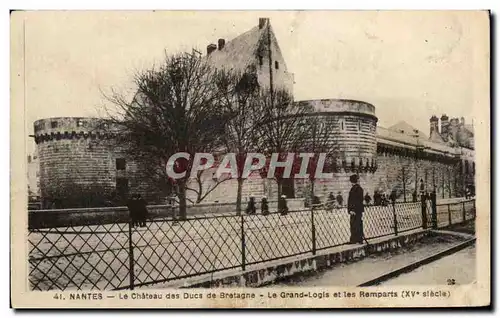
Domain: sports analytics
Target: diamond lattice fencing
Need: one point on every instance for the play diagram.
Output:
(121, 256)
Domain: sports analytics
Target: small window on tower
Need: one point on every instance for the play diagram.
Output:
(120, 164)
(342, 125)
(276, 65)
(261, 60)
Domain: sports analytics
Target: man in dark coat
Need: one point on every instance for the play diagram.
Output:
(282, 206)
(264, 206)
(377, 198)
(132, 209)
(356, 208)
(393, 196)
(142, 211)
(251, 206)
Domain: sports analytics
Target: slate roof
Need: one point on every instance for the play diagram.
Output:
(238, 53)
(436, 137)
(242, 51)
(405, 128)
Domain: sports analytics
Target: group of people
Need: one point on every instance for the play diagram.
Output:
(355, 208)
(338, 201)
(264, 206)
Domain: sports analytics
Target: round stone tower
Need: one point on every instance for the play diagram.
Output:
(352, 131)
(74, 159)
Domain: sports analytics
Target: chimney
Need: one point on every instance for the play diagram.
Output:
(263, 22)
(444, 124)
(454, 127)
(210, 48)
(434, 124)
(221, 42)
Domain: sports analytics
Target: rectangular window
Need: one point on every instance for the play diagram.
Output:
(121, 164)
(261, 60)
(276, 65)
(53, 124)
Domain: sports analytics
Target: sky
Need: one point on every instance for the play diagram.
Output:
(409, 65)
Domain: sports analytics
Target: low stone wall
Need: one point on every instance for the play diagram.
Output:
(109, 215)
(262, 274)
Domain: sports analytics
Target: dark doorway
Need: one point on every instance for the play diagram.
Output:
(288, 188)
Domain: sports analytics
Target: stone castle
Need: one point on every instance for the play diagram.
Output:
(71, 153)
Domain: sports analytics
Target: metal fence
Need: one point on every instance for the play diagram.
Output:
(119, 256)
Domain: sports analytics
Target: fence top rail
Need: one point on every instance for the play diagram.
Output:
(456, 203)
(124, 208)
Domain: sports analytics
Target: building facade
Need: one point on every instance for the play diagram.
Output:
(73, 154)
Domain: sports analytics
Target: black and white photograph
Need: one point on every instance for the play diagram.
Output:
(251, 158)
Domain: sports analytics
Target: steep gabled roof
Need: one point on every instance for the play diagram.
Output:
(238, 53)
(405, 128)
(436, 137)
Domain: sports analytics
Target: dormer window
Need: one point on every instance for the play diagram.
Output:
(276, 65)
(80, 123)
(53, 124)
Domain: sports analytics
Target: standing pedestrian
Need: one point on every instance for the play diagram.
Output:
(282, 206)
(356, 208)
(377, 198)
(422, 188)
(251, 206)
(142, 211)
(132, 210)
(383, 199)
(393, 196)
(264, 206)
(368, 199)
(340, 200)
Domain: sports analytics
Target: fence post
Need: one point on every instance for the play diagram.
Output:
(424, 211)
(463, 211)
(131, 255)
(313, 228)
(395, 218)
(404, 186)
(434, 210)
(449, 215)
(243, 244)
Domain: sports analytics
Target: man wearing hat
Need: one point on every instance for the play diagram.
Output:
(356, 208)
(282, 206)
